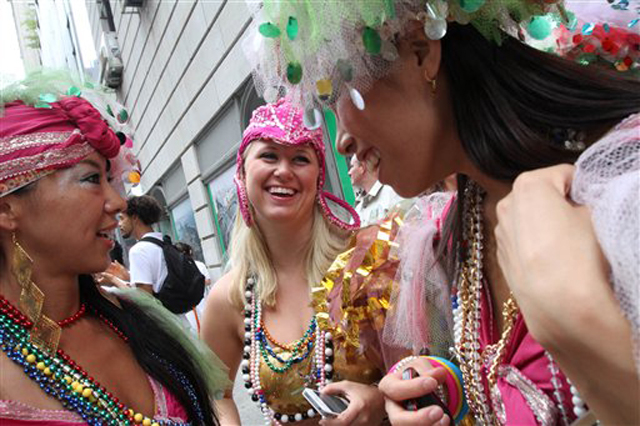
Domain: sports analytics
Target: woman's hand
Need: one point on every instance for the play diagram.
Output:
(108, 279)
(366, 404)
(116, 269)
(396, 390)
(546, 245)
(551, 259)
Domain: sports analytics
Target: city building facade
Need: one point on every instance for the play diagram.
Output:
(179, 70)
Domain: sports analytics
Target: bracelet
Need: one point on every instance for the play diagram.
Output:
(398, 366)
(453, 385)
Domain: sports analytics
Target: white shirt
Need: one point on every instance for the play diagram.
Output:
(147, 264)
(375, 204)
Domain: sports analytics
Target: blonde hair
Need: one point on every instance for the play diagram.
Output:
(249, 255)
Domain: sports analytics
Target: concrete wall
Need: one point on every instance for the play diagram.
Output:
(183, 66)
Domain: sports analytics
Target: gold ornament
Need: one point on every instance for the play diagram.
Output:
(45, 332)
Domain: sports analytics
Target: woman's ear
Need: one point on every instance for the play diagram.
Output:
(427, 52)
(8, 218)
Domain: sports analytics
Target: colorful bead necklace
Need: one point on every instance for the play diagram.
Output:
(290, 347)
(59, 376)
(315, 341)
(467, 314)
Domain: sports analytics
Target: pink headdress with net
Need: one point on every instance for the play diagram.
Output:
(282, 123)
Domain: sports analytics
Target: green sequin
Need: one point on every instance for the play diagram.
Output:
(292, 28)
(123, 115)
(269, 30)
(539, 28)
(471, 6)
(73, 91)
(371, 40)
(294, 72)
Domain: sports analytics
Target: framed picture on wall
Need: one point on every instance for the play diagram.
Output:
(184, 223)
(224, 200)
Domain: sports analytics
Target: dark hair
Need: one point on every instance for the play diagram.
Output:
(509, 100)
(116, 253)
(145, 207)
(184, 248)
(160, 355)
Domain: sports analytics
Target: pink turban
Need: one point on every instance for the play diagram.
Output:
(36, 141)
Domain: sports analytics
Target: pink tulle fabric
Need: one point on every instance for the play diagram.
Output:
(420, 313)
(607, 179)
(15, 413)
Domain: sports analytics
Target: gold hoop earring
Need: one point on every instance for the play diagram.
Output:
(432, 82)
(45, 332)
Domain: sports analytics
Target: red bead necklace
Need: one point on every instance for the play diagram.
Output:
(21, 319)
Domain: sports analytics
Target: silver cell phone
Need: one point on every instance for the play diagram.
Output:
(326, 405)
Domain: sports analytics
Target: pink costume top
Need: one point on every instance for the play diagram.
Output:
(16, 413)
(532, 387)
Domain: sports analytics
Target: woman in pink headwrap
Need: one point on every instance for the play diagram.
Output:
(273, 315)
(71, 354)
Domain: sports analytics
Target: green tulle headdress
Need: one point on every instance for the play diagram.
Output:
(319, 50)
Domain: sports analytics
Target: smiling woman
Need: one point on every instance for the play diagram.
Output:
(58, 207)
(268, 315)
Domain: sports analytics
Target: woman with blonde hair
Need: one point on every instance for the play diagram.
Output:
(261, 315)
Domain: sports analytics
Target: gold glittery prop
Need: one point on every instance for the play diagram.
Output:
(45, 332)
(353, 297)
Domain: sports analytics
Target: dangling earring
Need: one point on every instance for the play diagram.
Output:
(432, 82)
(45, 332)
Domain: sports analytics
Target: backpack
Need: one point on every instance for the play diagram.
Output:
(184, 286)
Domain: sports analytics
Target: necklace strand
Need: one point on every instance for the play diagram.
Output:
(61, 377)
(316, 342)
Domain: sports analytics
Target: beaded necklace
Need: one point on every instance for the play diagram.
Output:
(257, 347)
(59, 376)
(467, 314)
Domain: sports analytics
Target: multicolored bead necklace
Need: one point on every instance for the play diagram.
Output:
(467, 314)
(257, 347)
(59, 376)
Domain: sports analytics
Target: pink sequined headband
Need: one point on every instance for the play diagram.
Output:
(37, 141)
(282, 123)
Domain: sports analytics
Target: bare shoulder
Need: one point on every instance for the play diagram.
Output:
(219, 296)
(223, 324)
(219, 311)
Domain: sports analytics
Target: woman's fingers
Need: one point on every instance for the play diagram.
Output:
(393, 387)
(432, 415)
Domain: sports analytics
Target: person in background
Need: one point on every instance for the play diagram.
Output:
(195, 316)
(279, 314)
(373, 199)
(147, 266)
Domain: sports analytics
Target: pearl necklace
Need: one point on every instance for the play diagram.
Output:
(467, 315)
(252, 353)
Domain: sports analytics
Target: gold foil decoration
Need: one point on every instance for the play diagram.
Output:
(45, 332)
(352, 299)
